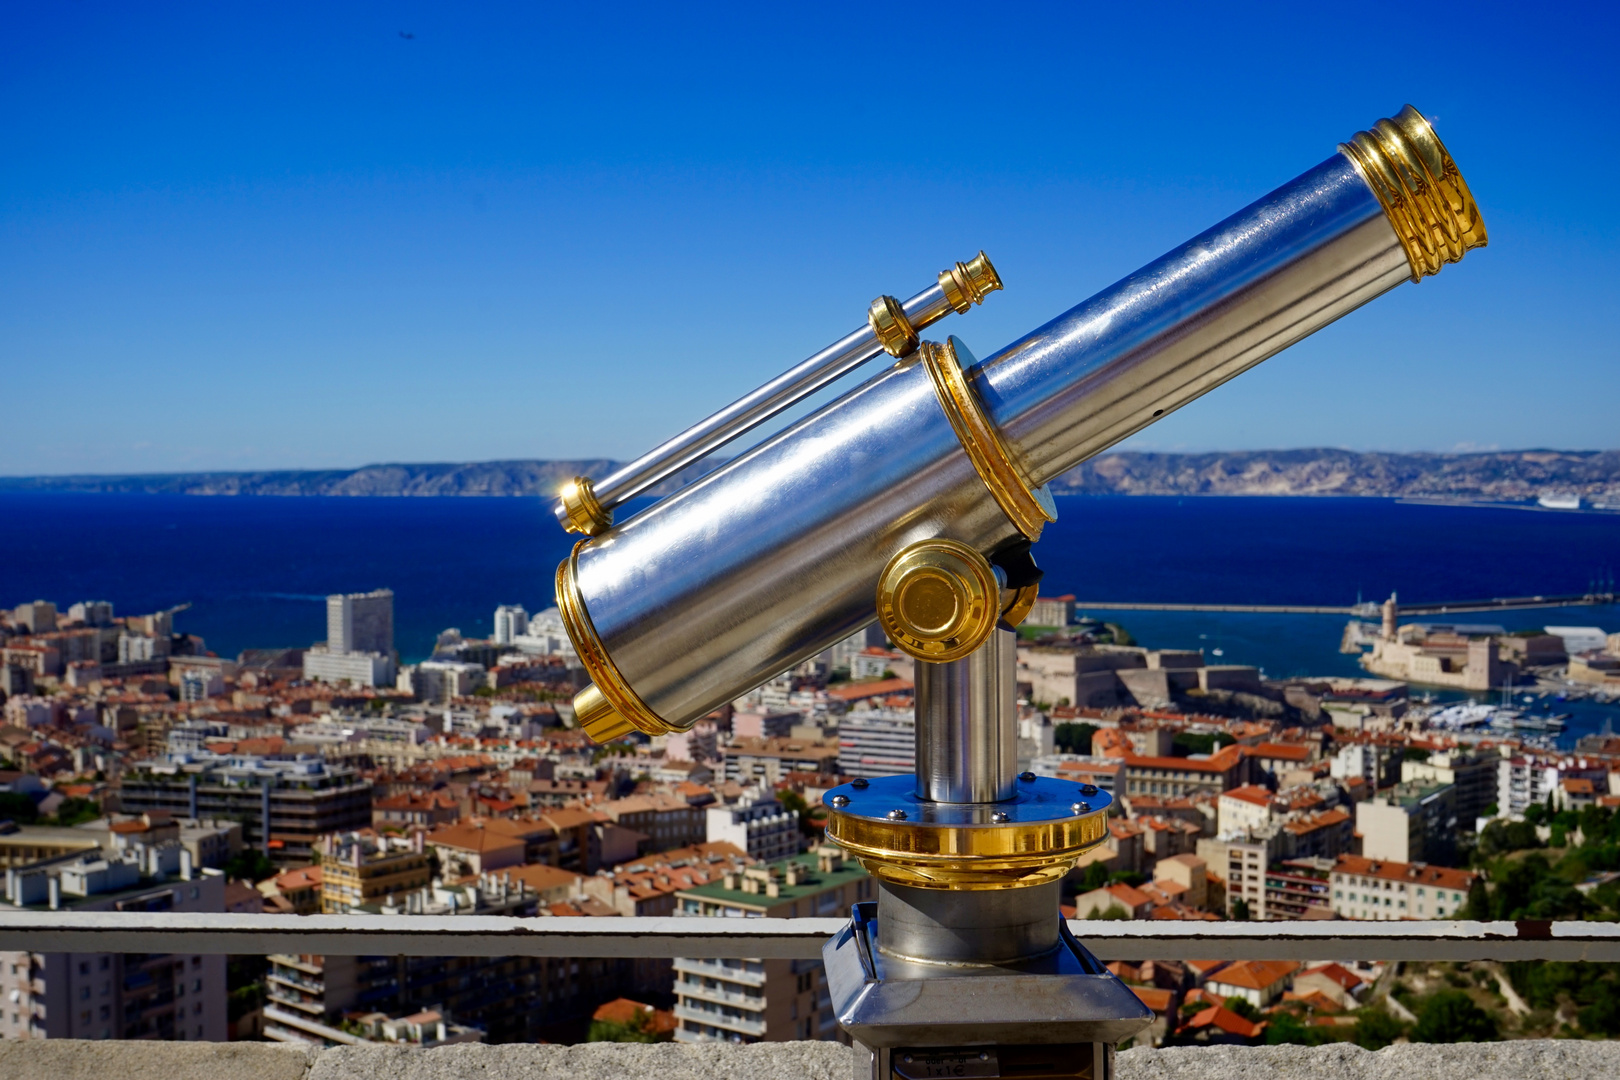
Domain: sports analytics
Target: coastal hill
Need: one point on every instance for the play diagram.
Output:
(1496, 476)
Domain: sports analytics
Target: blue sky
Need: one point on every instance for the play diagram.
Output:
(265, 236)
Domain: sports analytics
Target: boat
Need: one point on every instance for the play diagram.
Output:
(1467, 714)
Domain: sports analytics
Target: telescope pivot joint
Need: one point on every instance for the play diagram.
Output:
(938, 600)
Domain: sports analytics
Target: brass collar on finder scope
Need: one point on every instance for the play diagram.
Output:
(585, 514)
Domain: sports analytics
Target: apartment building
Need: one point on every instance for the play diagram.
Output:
(1375, 760)
(1366, 888)
(766, 1000)
(1243, 809)
(363, 869)
(1107, 773)
(877, 742)
(768, 760)
(114, 995)
(301, 799)
(1413, 822)
(1527, 779)
(1175, 777)
(1297, 889)
(756, 824)
(670, 822)
(1473, 775)
(510, 998)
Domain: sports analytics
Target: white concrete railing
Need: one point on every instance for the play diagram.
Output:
(480, 935)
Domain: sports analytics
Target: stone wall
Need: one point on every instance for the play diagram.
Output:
(73, 1060)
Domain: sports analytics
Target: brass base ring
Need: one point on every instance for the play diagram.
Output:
(1031, 839)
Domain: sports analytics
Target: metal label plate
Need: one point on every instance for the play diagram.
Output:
(1061, 1061)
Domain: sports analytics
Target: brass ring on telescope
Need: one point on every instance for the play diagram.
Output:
(585, 514)
(938, 600)
(967, 857)
(1420, 188)
(627, 710)
(982, 442)
(889, 323)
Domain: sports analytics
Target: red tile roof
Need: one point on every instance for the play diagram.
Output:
(1255, 974)
(1249, 793)
(1221, 1017)
(1153, 998)
(848, 692)
(1281, 751)
(1442, 876)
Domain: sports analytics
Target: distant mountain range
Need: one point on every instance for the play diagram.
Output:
(1495, 476)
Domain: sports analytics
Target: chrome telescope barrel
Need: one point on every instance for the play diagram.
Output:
(587, 506)
(777, 555)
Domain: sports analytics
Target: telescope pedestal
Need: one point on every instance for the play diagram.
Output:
(964, 967)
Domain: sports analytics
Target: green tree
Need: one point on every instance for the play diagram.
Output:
(1188, 743)
(1243, 1007)
(17, 807)
(794, 802)
(1115, 913)
(1376, 1029)
(1285, 1027)
(1240, 910)
(638, 1029)
(1450, 1016)
(1529, 889)
(77, 811)
(1073, 738)
(249, 864)
(1095, 877)
(1602, 1017)
(1501, 837)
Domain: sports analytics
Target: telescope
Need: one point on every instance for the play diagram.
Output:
(914, 500)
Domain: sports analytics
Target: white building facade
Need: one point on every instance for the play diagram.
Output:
(757, 824)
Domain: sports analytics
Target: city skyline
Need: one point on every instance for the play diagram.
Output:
(326, 243)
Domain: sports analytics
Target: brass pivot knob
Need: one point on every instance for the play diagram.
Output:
(938, 600)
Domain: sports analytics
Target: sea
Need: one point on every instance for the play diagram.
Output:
(255, 570)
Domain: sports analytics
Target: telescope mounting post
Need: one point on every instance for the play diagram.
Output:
(963, 966)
